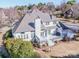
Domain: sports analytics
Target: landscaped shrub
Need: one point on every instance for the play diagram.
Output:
(8, 34)
(20, 49)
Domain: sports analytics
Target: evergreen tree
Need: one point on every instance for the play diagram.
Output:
(71, 2)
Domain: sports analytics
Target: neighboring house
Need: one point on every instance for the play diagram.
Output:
(58, 13)
(72, 11)
(37, 26)
(68, 13)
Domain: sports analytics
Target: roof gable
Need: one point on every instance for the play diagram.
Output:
(27, 23)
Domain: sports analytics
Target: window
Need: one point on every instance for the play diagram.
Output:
(32, 35)
(27, 36)
(21, 36)
(49, 32)
(24, 37)
(47, 23)
(42, 34)
(18, 36)
(45, 32)
(22, 32)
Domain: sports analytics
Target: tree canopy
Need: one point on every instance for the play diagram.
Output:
(21, 7)
(71, 2)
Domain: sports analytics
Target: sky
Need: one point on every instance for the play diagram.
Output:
(12, 3)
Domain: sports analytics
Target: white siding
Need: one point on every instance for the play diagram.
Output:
(38, 27)
(27, 36)
(46, 24)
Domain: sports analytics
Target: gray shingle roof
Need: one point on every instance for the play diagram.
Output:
(27, 23)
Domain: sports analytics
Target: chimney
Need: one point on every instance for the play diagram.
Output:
(50, 16)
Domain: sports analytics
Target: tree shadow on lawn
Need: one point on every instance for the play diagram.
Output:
(3, 52)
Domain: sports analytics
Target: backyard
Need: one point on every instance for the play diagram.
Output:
(62, 49)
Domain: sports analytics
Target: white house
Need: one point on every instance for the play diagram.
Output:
(36, 24)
